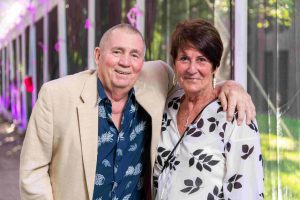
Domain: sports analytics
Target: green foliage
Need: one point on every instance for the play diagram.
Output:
(281, 158)
(271, 12)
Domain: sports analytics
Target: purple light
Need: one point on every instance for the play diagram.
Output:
(57, 45)
(88, 24)
(132, 15)
(31, 8)
(44, 47)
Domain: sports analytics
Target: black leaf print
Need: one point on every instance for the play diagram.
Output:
(212, 127)
(191, 186)
(245, 148)
(221, 134)
(187, 189)
(155, 181)
(159, 160)
(194, 190)
(220, 109)
(228, 146)
(176, 162)
(211, 119)
(207, 167)
(224, 126)
(253, 126)
(198, 182)
(175, 106)
(262, 195)
(200, 123)
(172, 163)
(247, 151)
(229, 187)
(235, 177)
(210, 197)
(213, 162)
(188, 182)
(208, 158)
(197, 134)
(197, 152)
(215, 194)
(170, 103)
(160, 149)
(237, 185)
(216, 190)
(202, 160)
(201, 157)
(221, 195)
(190, 131)
(165, 154)
(165, 122)
(260, 158)
(174, 103)
(214, 124)
(191, 161)
(233, 182)
(199, 166)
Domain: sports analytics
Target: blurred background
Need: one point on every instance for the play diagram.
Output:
(41, 40)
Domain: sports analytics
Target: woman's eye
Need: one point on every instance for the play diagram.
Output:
(202, 59)
(183, 58)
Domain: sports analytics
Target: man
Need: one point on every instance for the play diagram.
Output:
(91, 135)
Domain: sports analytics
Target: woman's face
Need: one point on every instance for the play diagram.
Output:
(194, 71)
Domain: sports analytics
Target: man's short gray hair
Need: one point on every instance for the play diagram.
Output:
(123, 26)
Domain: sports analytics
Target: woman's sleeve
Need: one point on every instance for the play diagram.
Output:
(244, 166)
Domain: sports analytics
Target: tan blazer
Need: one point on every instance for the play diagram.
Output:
(58, 158)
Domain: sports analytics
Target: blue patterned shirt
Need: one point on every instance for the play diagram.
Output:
(121, 153)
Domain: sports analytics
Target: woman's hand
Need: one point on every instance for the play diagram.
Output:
(233, 96)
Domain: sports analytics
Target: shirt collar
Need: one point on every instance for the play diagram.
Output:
(103, 96)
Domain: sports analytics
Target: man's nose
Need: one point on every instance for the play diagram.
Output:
(125, 60)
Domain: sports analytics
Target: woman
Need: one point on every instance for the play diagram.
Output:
(200, 154)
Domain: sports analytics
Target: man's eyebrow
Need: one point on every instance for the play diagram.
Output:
(118, 48)
(136, 51)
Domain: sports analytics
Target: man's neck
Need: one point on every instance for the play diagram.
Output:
(118, 101)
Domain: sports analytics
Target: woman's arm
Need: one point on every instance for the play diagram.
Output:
(244, 167)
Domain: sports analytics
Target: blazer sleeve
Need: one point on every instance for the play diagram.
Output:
(170, 74)
(36, 152)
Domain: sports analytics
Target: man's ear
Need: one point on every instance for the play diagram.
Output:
(97, 55)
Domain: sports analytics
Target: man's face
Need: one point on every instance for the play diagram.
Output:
(120, 60)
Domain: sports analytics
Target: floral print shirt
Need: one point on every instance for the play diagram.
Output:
(120, 160)
(215, 159)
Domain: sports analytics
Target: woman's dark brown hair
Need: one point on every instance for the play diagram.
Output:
(198, 34)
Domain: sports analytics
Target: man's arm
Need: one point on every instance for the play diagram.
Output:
(36, 152)
(233, 96)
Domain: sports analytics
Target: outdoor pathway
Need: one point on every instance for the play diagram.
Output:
(10, 145)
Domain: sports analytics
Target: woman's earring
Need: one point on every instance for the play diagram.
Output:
(214, 81)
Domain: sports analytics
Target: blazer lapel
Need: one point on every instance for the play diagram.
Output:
(88, 123)
(153, 103)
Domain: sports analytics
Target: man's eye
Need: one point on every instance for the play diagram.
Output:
(116, 52)
(135, 55)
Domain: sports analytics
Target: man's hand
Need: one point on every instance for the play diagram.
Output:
(232, 97)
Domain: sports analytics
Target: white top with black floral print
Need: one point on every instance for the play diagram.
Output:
(216, 159)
